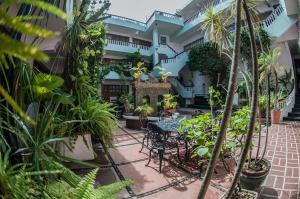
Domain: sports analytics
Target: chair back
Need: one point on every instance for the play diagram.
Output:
(157, 134)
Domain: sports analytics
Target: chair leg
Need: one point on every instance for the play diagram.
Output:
(147, 141)
(161, 155)
(186, 151)
(149, 157)
(143, 143)
(178, 156)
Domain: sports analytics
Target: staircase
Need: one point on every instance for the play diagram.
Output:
(295, 114)
(175, 64)
(183, 91)
(200, 103)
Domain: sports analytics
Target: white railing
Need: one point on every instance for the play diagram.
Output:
(185, 92)
(174, 59)
(128, 44)
(270, 19)
(128, 20)
(287, 105)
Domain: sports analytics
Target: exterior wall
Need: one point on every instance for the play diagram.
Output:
(201, 84)
(151, 90)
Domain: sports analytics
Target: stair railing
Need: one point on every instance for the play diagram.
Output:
(287, 104)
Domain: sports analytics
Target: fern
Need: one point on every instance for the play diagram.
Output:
(109, 191)
(85, 189)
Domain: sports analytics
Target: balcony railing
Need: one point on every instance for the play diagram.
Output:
(174, 59)
(128, 44)
(128, 20)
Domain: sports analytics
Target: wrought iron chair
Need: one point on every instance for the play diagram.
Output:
(144, 128)
(160, 142)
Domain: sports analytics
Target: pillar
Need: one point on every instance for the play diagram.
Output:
(155, 45)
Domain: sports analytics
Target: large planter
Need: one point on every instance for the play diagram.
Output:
(82, 148)
(252, 180)
(275, 116)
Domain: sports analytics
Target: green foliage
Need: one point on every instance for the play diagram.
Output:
(138, 70)
(207, 59)
(168, 102)
(163, 74)
(134, 58)
(214, 97)
(72, 186)
(45, 83)
(286, 81)
(263, 42)
(98, 118)
(202, 132)
(11, 47)
(126, 100)
(144, 108)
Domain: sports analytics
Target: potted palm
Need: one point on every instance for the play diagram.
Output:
(163, 74)
(169, 103)
(126, 100)
(269, 62)
(144, 110)
(138, 70)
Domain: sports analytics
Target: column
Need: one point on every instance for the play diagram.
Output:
(155, 45)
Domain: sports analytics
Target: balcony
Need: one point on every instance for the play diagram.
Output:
(164, 17)
(127, 47)
(126, 22)
(138, 25)
(196, 19)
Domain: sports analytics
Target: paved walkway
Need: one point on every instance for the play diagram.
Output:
(284, 153)
(125, 161)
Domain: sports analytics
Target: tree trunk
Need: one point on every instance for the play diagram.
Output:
(267, 116)
(228, 104)
(254, 104)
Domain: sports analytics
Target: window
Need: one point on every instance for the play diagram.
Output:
(163, 40)
(193, 44)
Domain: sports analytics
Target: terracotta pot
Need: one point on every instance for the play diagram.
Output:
(171, 111)
(275, 116)
(144, 114)
(163, 80)
(138, 79)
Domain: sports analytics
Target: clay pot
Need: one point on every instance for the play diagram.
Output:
(171, 111)
(252, 180)
(275, 116)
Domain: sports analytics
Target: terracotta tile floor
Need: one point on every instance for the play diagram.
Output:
(283, 150)
(125, 161)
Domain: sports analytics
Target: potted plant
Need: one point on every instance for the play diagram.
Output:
(126, 100)
(163, 74)
(144, 110)
(96, 119)
(138, 70)
(169, 103)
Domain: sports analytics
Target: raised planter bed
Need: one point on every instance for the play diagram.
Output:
(133, 122)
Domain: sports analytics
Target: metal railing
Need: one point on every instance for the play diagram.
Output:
(173, 59)
(128, 44)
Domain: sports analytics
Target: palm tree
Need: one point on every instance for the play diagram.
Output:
(254, 103)
(269, 62)
(228, 105)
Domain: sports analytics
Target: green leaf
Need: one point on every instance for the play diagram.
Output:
(16, 107)
(45, 6)
(202, 151)
(45, 83)
(20, 50)
(25, 28)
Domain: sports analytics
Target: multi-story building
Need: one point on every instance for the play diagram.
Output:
(165, 40)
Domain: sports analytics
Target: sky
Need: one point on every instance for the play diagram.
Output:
(142, 9)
